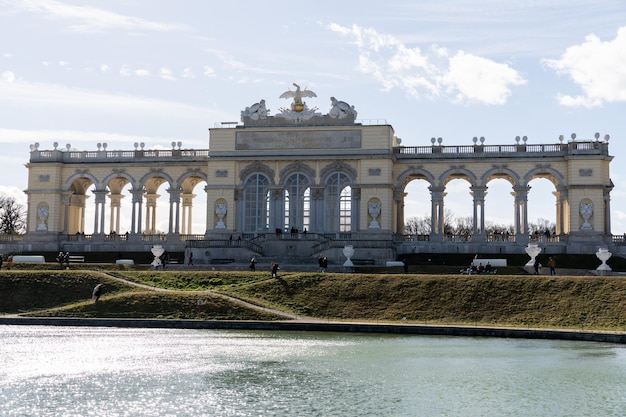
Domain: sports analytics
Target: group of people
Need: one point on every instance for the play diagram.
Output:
(323, 262)
(273, 267)
(551, 265)
(480, 268)
(9, 261)
(63, 258)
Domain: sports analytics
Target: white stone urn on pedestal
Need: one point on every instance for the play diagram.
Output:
(348, 252)
(532, 250)
(220, 210)
(603, 255)
(157, 251)
(374, 211)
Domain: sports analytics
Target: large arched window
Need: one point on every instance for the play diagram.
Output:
(338, 203)
(297, 201)
(256, 200)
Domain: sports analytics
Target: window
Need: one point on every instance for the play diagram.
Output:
(256, 200)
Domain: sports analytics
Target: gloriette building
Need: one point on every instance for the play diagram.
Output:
(303, 181)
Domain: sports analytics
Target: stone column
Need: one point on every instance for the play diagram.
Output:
(98, 221)
(65, 200)
(151, 206)
(277, 209)
(479, 211)
(187, 213)
(561, 215)
(437, 220)
(520, 195)
(114, 216)
(607, 212)
(137, 210)
(317, 209)
(398, 197)
(356, 210)
(174, 218)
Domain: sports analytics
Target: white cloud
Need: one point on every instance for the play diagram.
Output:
(462, 77)
(16, 92)
(125, 71)
(188, 73)
(104, 68)
(142, 73)
(167, 74)
(14, 192)
(596, 67)
(89, 19)
(208, 71)
(7, 55)
(8, 77)
(478, 79)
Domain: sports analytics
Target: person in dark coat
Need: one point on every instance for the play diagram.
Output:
(97, 292)
(253, 264)
(537, 266)
(275, 269)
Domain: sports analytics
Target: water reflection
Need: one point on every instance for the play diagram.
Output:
(51, 371)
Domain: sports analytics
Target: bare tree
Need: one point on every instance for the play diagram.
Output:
(417, 225)
(12, 216)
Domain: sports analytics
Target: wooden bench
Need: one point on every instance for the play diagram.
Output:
(222, 261)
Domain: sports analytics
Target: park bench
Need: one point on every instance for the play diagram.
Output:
(28, 258)
(76, 258)
(363, 261)
(222, 261)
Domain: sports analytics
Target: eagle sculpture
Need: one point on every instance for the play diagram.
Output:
(297, 95)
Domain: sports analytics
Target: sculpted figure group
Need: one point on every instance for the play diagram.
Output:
(299, 110)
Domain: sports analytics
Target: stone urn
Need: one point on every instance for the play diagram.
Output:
(532, 250)
(348, 252)
(603, 255)
(220, 210)
(157, 251)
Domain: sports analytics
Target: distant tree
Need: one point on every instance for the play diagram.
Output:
(541, 226)
(417, 225)
(12, 216)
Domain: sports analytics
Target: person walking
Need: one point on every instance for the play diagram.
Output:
(190, 262)
(97, 292)
(275, 269)
(253, 264)
(537, 266)
(552, 266)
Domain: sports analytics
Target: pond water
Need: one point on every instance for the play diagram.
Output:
(76, 371)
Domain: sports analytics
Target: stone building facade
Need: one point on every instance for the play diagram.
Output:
(299, 183)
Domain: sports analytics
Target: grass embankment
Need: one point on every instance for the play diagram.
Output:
(498, 300)
(68, 294)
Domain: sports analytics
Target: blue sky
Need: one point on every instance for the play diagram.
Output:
(156, 71)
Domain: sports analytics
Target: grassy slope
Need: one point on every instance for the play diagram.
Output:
(537, 301)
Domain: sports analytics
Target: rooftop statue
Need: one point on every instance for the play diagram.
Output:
(298, 105)
(256, 111)
(341, 109)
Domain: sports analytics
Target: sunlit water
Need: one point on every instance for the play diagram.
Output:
(66, 371)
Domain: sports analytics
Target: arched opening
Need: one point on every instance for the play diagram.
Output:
(417, 207)
(193, 206)
(297, 201)
(458, 220)
(542, 224)
(499, 209)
